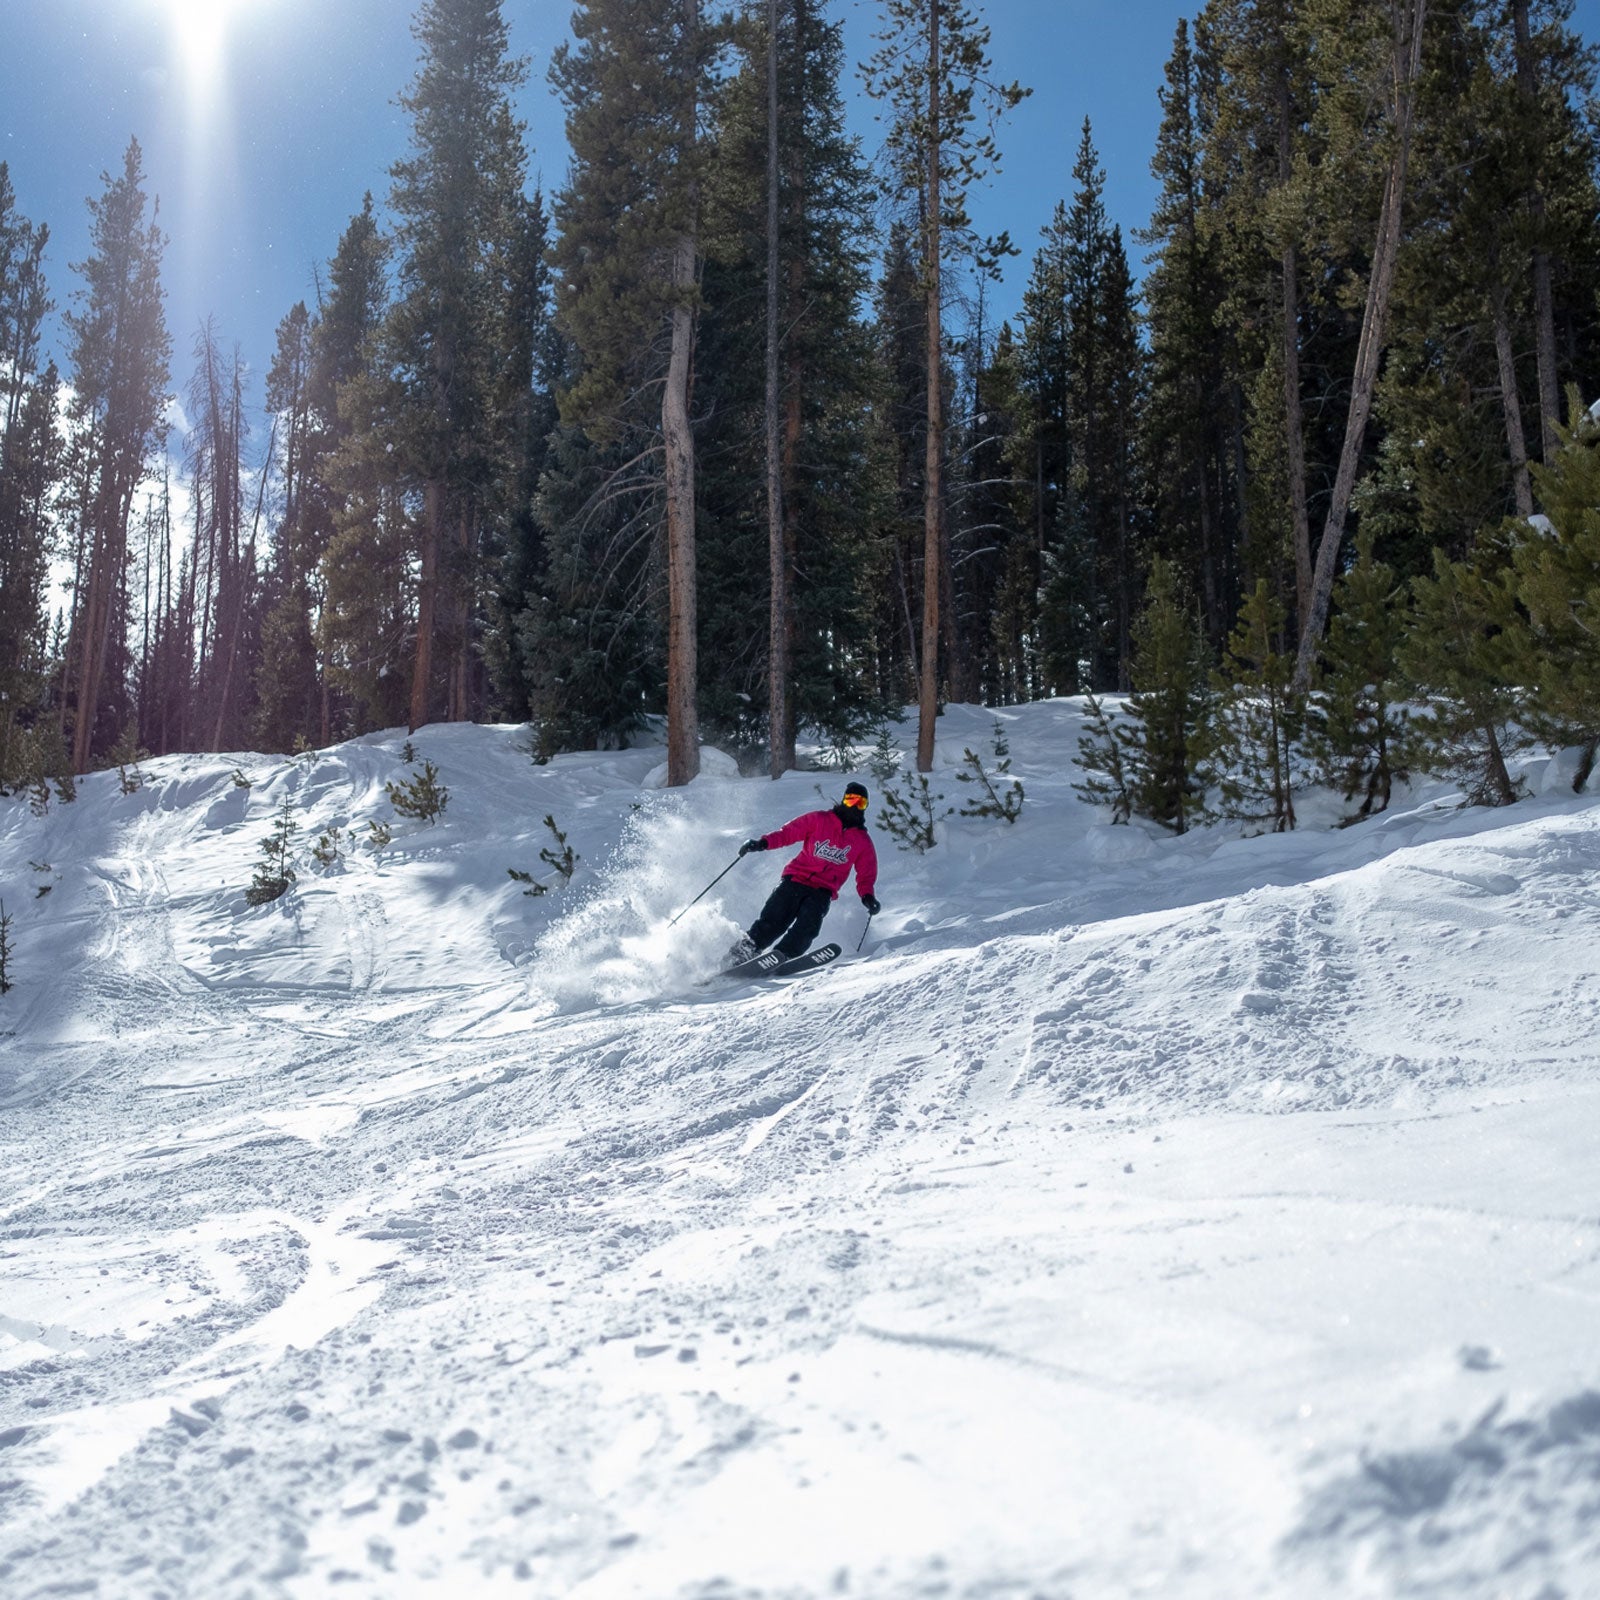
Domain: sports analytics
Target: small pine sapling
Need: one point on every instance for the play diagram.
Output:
(423, 797)
(909, 817)
(1172, 708)
(1257, 718)
(1557, 565)
(43, 762)
(408, 753)
(1356, 720)
(5, 950)
(275, 871)
(328, 851)
(1107, 780)
(379, 834)
(1462, 654)
(989, 801)
(884, 760)
(125, 757)
(562, 858)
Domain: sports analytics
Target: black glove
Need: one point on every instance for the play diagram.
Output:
(870, 901)
(752, 844)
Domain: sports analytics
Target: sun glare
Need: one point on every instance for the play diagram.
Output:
(199, 31)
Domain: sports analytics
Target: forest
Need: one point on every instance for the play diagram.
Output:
(721, 436)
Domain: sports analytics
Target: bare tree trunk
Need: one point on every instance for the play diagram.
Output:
(928, 688)
(1369, 353)
(1543, 299)
(1511, 405)
(780, 743)
(683, 730)
(427, 602)
(89, 664)
(247, 567)
(1293, 415)
(459, 707)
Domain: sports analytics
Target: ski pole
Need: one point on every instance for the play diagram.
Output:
(863, 939)
(705, 891)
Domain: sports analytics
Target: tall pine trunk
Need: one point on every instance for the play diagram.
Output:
(1543, 299)
(1293, 420)
(780, 741)
(683, 731)
(928, 688)
(1369, 352)
(427, 601)
(1511, 404)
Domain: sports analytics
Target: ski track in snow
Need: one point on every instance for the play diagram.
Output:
(1205, 1217)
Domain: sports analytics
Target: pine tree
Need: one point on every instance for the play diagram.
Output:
(532, 371)
(288, 690)
(828, 489)
(900, 413)
(1387, 55)
(1170, 738)
(932, 67)
(635, 87)
(1356, 719)
(458, 200)
(1557, 580)
(1044, 451)
(1461, 653)
(1104, 756)
(358, 521)
(120, 351)
(275, 872)
(1185, 437)
(1257, 719)
(30, 470)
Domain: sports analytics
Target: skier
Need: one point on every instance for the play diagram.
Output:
(834, 842)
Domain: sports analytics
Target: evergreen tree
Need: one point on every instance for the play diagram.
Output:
(901, 417)
(458, 200)
(1184, 440)
(533, 370)
(1069, 602)
(351, 514)
(1461, 654)
(1099, 329)
(1170, 739)
(1043, 456)
(288, 688)
(30, 470)
(635, 85)
(932, 67)
(1257, 720)
(1557, 580)
(120, 351)
(1356, 720)
(829, 488)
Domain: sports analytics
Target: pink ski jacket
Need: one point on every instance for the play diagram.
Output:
(830, 851)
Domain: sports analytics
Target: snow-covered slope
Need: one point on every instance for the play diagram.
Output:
(1188, 1217)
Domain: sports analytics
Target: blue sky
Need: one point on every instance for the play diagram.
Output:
(261, 153)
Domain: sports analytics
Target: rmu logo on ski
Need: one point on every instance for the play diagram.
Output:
(838, 853)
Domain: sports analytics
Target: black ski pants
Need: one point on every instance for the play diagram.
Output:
(797, 907)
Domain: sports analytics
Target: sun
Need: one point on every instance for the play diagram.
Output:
(199, 33)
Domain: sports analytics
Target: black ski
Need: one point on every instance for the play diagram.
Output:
(769, 964)
(809, 962)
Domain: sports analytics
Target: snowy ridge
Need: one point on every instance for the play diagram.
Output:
(1197, 1216)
